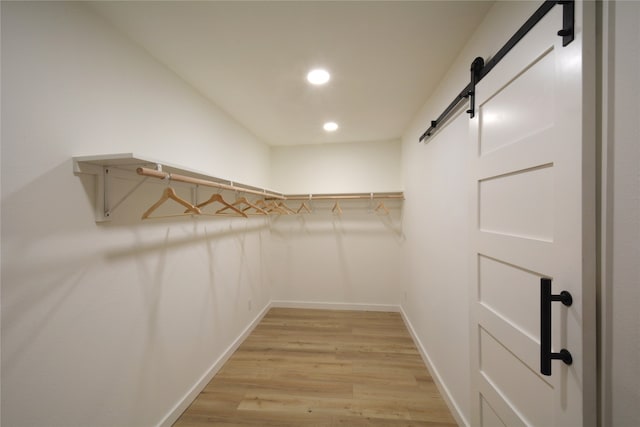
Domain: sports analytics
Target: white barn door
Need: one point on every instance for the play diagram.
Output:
(533, 217)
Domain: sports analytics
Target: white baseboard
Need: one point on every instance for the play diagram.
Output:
(444, 391)
(335, 306)
(191, 395)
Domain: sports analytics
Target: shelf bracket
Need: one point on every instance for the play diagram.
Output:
(104, 206)
(108, 208)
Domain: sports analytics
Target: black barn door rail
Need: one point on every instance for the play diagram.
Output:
(479, 69)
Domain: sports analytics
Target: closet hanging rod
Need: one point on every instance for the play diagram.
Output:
(197, 181)
(479, 69)
(358, 196)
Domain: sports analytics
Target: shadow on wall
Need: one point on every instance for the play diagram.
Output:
(45, 238)
(111, 309)
(198, 235)
(356, 218)
(353, 257)
(47, 204)
(342, 255)
(67, 281)
(53, 205)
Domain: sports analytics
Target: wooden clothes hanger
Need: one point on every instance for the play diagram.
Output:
(286, 208)
(382, 207)
(218, 198)
(244, 201)
(261, 204)
(303, 207)
(336, 208)
(274, 208)
(270, 207)
(167, 194)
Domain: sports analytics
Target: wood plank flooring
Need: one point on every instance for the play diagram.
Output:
(322, 368)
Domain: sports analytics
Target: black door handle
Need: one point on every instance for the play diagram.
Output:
(546, 355)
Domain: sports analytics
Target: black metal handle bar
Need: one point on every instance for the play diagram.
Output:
(546, 298)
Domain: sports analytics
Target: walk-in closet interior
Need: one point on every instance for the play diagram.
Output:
(170, 197)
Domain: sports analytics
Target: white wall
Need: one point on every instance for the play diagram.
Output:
(0, 222)
(435, 298)
(337, 168)
(620, 292)
(111, 324)
(353, 258)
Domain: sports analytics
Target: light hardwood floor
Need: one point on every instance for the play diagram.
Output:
(322, 368)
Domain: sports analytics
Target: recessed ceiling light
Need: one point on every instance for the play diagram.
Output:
(330, 126)
(318, 76)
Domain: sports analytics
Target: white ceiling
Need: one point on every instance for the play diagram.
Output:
(251, 58)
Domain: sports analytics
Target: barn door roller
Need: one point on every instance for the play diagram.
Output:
(479, 69)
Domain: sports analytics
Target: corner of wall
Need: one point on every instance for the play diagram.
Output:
(426, 166)
(182, 405)
(455, 409)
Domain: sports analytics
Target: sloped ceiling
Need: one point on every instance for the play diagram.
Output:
(251, 59)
